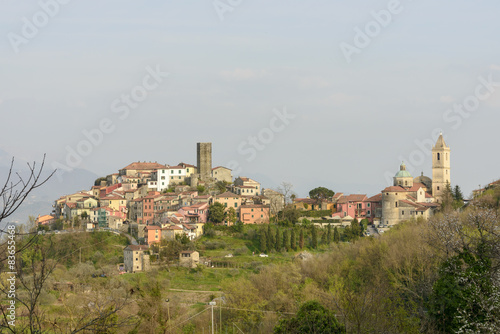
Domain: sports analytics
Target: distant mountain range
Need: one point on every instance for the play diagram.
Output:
(41, 200)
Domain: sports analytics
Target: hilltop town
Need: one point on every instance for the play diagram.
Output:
(152, 201)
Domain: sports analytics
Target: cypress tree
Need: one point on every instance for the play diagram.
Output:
(286, 240)
(263, 241)
(293, 241)
(301, 239)
(270, 239)
(336, 235)
(314, 237)
(278, 240)
(329, 234)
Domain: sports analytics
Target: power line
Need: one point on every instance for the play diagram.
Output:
(197, 314)
(241, 309)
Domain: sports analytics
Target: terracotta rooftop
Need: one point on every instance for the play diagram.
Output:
(376, 198)
(304, 200)
(44, 219)
(175, 227)
(394, 189)
(137, 247)
(254, 206)
(417, 186)
(144, 166)
(228, 194)
(220, 167)
(337, 195)
(352, 198)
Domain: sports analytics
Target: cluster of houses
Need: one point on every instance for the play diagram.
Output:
(156, 200)
(162, 201)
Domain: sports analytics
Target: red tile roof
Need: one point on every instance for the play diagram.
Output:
(228, 194)
(376, 198)
(248, 206)
(305, 200)
(337, 195)
(44, 219)
(137, 247)
(221, 167)
(394, 189)
(175, 227)
(352, 198)
(144, 166)
(417, 186)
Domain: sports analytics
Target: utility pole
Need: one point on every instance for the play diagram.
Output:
(212, 304)
(168, 310)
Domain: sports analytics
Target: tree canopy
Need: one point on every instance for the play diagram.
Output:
(311, 318)
(216, 213)
(321, 193)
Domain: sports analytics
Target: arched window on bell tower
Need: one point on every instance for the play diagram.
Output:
(439, 156)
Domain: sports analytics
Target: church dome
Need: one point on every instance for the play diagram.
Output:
(403, 172)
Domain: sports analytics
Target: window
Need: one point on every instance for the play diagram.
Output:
(261, 216)
(368, 205)
(179, 171)
(439, 156)
(171, 178)
(252, 210)
(252, 216)
(137, 259)
(406, 183)
(368, 212)
(396, 203)
(402, 213)
(438, 188)
(171, 172)
(235, 205)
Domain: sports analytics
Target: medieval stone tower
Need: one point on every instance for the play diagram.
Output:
(204, 160)
(440, 168)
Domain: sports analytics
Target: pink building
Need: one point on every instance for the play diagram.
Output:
(359, 206)
(196, 213)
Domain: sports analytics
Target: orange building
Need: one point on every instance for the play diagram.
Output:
(254, 214)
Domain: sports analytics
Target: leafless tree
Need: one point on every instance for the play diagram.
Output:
(285, 188)
(14, 192)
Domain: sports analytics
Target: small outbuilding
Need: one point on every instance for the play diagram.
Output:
(189, 259)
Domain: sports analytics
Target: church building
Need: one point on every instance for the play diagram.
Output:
(410, 197)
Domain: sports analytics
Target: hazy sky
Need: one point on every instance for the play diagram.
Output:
(315, 93)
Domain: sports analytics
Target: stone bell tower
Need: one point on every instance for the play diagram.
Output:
(440, 168)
